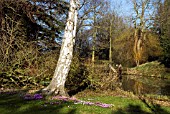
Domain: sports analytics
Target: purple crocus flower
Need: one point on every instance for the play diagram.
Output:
(33, 97)
(38, 96)
(28, 97)
(105, 105)
(88, 103)
(61, 98)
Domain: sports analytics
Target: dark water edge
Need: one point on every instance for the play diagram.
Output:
(146, 85)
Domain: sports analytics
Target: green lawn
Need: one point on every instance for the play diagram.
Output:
(13, 103)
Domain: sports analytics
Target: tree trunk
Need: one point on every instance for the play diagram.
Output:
(94, 46)
(57, 84)
(135, 47)
(139, 34)
(110, 38)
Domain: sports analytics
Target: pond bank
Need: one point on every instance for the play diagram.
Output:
(151, 69)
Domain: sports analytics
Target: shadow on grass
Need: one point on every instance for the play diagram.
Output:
(131, 109)
(137, 109)
(13, 103)
(155, 108)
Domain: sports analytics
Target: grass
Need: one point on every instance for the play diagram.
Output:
(13, 103)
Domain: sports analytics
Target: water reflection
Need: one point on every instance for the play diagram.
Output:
(146, 85)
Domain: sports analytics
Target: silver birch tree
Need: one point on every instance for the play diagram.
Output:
(57, 83)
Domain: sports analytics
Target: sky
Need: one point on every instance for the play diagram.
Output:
(123, 7)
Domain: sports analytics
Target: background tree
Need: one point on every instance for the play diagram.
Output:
(30, 21)
(162, 28)
(141, 9)
(107, 34)
(24, 38)
(90, 12)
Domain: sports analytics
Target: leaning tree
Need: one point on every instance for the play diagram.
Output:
(57, 83)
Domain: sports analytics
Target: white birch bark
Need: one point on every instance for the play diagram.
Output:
(57, 84)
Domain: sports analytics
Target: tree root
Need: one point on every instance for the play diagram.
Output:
(54, 91)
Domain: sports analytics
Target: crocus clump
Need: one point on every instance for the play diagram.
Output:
(38, 96)
(103, 105)
(63, 98)
(76, 101)
(33, 97)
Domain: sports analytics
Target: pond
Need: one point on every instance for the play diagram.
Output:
(146, 85)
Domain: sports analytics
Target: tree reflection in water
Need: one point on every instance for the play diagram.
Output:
(146, 85)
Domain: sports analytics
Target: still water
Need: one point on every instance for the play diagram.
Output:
(146, 85)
